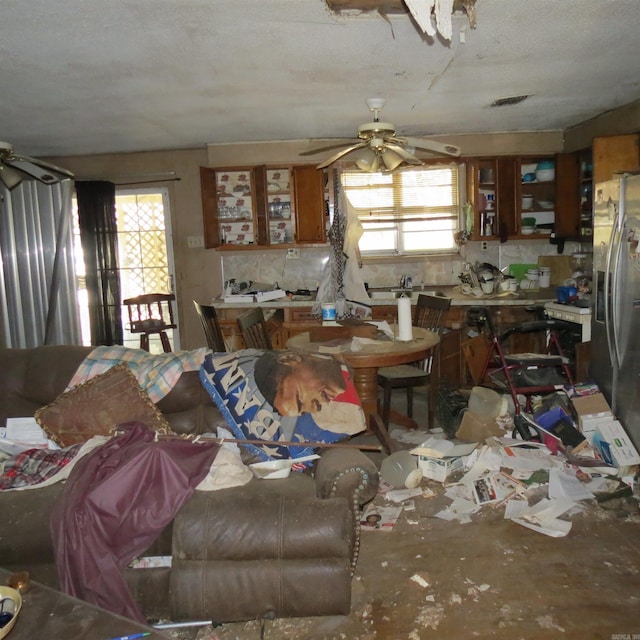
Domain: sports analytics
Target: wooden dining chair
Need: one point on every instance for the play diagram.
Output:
(211, 327)
(151, 313)
(253, 328)
(429, 313)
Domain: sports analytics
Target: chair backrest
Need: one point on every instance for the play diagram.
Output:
(151, 312)
(253, 329)
(429, 314)
(212, 331)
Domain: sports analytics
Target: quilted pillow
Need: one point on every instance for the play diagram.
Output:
(280, 396)
(97, 406)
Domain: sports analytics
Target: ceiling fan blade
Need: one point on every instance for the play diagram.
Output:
(329, 148)
(43, 171)
(344, 152)
(404, 154)
(432, 145)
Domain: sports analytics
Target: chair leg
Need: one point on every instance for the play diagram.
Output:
(410, 401)
(386, 405)
(144, 341)
(166, 345)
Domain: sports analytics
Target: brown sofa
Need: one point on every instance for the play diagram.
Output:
(270, 548)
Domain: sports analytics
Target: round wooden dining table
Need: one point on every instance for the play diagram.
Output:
(365, 357)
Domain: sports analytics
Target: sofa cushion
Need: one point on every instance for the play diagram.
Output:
(283, 396)
(96, 407)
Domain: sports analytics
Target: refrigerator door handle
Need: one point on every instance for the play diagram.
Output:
(608, 288)
(616, 246)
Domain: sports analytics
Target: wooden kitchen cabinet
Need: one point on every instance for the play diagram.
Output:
(311, 204)
(260, 206)
(613, 154)
(491, 183)
(505, 190)
(233, 206)
(483, 187)
(574, 196)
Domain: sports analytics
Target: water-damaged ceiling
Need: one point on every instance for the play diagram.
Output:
(133, 75)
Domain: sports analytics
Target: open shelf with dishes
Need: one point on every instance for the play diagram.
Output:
(536, 196)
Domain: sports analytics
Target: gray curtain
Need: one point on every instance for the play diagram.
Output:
(98, 233)
(39, 301)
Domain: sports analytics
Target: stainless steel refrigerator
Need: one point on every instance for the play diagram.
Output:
(615, 330)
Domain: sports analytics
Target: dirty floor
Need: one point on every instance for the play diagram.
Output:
(490, 578)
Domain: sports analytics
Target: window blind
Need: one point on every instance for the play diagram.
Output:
(421, 205)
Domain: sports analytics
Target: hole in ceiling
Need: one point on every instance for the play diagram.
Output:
(507, 102)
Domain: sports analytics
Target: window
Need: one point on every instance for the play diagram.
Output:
(408, 212)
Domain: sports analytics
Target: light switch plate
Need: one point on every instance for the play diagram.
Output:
(195, 242)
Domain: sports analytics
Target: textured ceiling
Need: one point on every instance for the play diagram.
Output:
(134, 75)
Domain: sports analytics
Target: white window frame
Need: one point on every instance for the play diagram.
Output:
(407, 228)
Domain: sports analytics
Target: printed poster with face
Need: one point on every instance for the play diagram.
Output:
(283, 396)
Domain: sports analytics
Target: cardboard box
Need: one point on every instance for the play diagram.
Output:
(615, 446)
(590, 407)
(589, 425)
(439, 468)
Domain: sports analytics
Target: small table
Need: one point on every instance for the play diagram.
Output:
(47, 613)
(366, 362)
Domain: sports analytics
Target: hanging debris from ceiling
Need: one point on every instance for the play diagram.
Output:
(432, 16)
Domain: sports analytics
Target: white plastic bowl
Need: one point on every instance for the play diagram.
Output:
(545, 175)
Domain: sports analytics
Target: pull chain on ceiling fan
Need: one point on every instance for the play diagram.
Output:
(378, 147)
(14, 168)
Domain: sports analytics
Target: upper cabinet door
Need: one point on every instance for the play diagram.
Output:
(233, 206)
(279, 194)
(567, 222)
(613, 154)
(310, 204)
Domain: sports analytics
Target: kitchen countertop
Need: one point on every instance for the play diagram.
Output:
(458, 299)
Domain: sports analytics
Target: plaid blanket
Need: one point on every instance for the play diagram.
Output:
(34, 466)
(156, 373)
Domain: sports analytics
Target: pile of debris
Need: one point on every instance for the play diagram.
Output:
(577, 452)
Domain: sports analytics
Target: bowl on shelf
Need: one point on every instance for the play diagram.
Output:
(547, 205)
(545, 175)
(527, 201)
(526, 231)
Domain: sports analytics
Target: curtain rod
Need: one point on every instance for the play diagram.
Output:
(140, 178)
(124, 184)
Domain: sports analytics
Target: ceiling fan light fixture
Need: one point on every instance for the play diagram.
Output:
(391, 159)
(10, 177)
(367, 160)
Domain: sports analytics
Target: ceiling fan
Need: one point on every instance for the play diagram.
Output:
(14, 168)
(379, 147)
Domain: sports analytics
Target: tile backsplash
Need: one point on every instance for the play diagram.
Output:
(306, 271)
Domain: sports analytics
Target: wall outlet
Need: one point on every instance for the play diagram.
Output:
(484, 245)
(195, 242)
(293, 253)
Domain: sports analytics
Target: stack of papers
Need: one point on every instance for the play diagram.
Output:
(25, 433)
(255, 296)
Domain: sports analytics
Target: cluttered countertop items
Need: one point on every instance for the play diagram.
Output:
(482, 280)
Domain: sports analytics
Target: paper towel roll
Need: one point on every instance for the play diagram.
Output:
(405, 331)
